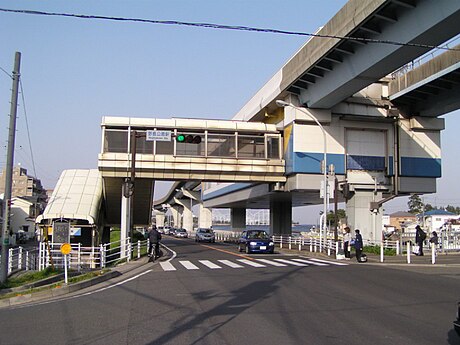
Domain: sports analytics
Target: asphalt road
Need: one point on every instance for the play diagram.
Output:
(202, 297)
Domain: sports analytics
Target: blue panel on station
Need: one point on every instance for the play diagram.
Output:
(420, 167)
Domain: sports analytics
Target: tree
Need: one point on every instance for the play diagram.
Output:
(415, 204)
(331, 218)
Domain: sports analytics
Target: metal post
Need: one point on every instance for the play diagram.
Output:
(101, 256)
(9, 171)
(27, 260)
(408, 252)
(381, 251)
(138, 249)
(433, 253)
(20, 258)
(79, 257)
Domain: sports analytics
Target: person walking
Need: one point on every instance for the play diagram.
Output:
(154, 239)
(358, 245)
(420, 236)
(347, 243)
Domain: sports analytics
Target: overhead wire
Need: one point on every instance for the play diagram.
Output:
(27, 127)
(226, 27)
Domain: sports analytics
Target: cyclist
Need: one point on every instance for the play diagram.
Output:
(155, 238)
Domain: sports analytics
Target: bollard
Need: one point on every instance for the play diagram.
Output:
(408, 252)
(281, 242)
(433, 253)
(300, 245)
(138, 249)
(311, 245)
(290, 245)
(397, 247)
(381, 251)
(329, 247)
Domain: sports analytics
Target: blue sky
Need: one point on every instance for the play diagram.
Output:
(75, 71)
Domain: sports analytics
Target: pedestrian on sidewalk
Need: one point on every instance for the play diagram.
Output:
(358, 245)
(434, 240)
(347, 243)
(420, 237)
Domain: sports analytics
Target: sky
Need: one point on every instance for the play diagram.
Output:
(74, 71)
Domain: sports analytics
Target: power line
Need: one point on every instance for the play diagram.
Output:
(27, 127)
(4, 71)
(225, 27)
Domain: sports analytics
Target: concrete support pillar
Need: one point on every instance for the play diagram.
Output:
(238, 219)
(125, 222)
(281, 216)
(176, 217)
(160, 219)
(204, 217)
(187, 215)
(361, 217)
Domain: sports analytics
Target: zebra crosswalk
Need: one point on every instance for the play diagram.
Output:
(174, 265)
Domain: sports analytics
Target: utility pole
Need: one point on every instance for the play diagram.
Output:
(9, 170)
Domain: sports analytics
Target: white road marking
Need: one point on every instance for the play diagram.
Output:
(209, 264)
(251, 263)
(310, 262)
(167, 266)
(188, 265)
(230, 263)
(270, 262)
(331, 262)
(291, 262)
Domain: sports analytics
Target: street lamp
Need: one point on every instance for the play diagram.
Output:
(281, 103)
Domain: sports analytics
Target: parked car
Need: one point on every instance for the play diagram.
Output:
(457, 322)
(204, 234)
(182, 233)
(255, 241)
(161, 229)
(168, 230)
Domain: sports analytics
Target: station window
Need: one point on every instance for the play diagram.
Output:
(221, 145)
(115, 140)
(251, 146)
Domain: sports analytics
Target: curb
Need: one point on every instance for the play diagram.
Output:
(56, 292)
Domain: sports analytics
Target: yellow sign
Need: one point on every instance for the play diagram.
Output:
(66, 248)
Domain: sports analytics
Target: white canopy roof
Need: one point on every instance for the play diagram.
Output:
(77, 195)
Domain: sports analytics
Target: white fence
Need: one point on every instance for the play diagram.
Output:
(105, 255)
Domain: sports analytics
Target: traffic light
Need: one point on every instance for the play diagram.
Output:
(188, 138)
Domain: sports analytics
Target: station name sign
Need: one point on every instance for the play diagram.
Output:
(158, 136)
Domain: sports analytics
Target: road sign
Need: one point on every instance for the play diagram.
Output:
(158, 136)
(66, 248)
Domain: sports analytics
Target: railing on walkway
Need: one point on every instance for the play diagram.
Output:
(21, 258)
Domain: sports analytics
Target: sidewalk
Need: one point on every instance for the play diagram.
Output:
(451, 259)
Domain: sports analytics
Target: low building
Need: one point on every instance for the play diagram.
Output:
(401, 219)
(434, 220)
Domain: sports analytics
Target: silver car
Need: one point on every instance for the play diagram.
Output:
(206, 235)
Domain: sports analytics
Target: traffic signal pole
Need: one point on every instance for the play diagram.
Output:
(9, 171)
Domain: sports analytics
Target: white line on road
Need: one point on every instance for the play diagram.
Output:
(331, 262)
(188, 265)
(310, 262)
(167, 266)
(251, 263)
(209, 264)
(270, 262)
(230, 263)
(291, 262)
